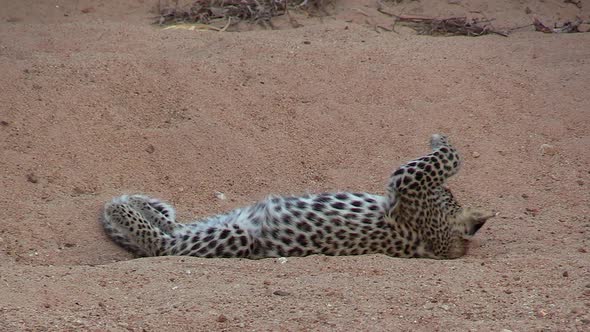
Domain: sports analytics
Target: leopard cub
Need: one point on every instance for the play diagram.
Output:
(417, 217)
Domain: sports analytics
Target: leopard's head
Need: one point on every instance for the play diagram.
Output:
(464, 225)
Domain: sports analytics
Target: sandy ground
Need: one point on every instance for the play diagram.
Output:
(96, 102)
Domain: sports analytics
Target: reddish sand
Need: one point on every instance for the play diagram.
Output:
(96, 102)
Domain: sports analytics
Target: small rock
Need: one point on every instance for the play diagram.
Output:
(150, 149)
(565, 274)
(532, 211)
(4, 123)
(541, 313)
(475, 154)
(525, 196)
(282, 260)
(306, 42)
(428, 306)
(454, 2)
(507, 291)
(445, 307)
(506, 330)
(548, 150)
(582, 250)
(219, 195)
(80, 191)
(221, 318)
(584, 27)
(32, 178)
(527, 10)
(580, 182)
(267, 282)
(281, 293)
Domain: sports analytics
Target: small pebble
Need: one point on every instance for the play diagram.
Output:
(565, 274)
(221, 318)
(219, 195)
(32, 178)
(281, 293)
(150, 149)
(475, 154)
(282, 260)
(580, 182)
(532, 211)
(548, 150)
(525, 196)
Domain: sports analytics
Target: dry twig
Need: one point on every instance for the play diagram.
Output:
(256, 11)
(577, 3)
(455, 26)
(567, 27)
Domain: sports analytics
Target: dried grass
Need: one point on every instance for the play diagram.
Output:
(256, 11)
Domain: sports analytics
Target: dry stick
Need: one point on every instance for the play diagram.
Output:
(383, 11)
(576, 3)
(453, 25)
(227, 25)
(567, 27)
(520, 27)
